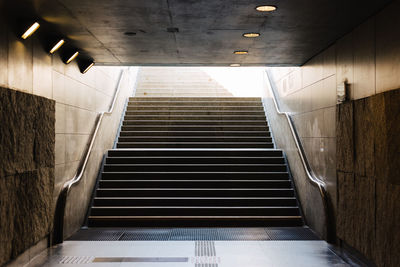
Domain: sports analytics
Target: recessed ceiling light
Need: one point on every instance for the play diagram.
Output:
(266, 8)
(72, 57)
(251, 34)
(57, 46)
(235, 65)
(31, 30)
(241, 52)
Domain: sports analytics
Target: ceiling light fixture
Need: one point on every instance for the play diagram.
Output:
(266, 8)
(57, 46)
(72, 57)
(235, 65)
(241, 52)
(88, 68)
(85, 62)
(251, 34)
(31, 30)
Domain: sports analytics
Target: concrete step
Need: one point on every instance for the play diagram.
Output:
(194, 128)
(193, 103)
(247, 152)
(194, 192)
(198, 160)
(195, 221)
(195, 201)
(195, 183)
(206, 139)
(190, 99)
(153, 175)
(195, 211)
(195, 144)
(194, 113)
(193, 108)
(195, 167)
(193, 122)
(197, 133)
(194, 118)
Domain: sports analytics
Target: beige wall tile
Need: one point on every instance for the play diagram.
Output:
(59, 87)
(79, 120)
(312, 71)
(345, 61)
(20, 67)
(387, 49)
(329, 61)
(42, 72)
(364, 60)
(60, 118)
(74, 146)
(60, 149)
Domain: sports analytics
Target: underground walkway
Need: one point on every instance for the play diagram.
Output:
(206, 175)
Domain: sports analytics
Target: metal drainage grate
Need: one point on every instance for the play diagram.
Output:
(291, 233)
(97, 235)
(196, 234)
(146, 234)
(76, 260)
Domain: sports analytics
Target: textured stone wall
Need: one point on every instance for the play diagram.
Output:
(368, 168)
(27, 144)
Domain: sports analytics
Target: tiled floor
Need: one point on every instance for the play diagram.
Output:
(192, 253)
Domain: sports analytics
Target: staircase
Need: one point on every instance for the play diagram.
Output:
(194, 162)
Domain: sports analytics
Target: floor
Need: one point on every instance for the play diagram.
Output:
(201, 247)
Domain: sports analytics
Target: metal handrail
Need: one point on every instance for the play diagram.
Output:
(331, 235)
(62, 198)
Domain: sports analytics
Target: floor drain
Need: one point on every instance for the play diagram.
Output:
(76, 260)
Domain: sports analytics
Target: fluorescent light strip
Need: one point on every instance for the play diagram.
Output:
(31, 30)
(57, 46)
(73, 57)
(86, 70)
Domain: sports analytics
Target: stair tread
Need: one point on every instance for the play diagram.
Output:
(194, 188)
(199, 217)
(195, 207)
(205, 180)
(195, 198)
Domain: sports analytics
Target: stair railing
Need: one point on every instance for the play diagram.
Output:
(312, 178)
(58, 229)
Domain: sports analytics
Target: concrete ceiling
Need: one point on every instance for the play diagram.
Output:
(209, 30)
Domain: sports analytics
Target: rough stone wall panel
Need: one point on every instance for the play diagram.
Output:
(392, 118)
(387, 224)
(27, 142)
(344, 135)
(369, 193)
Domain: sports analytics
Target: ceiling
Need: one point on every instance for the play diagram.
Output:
(209, 30)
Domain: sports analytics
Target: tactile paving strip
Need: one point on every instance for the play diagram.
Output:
(76, 260)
